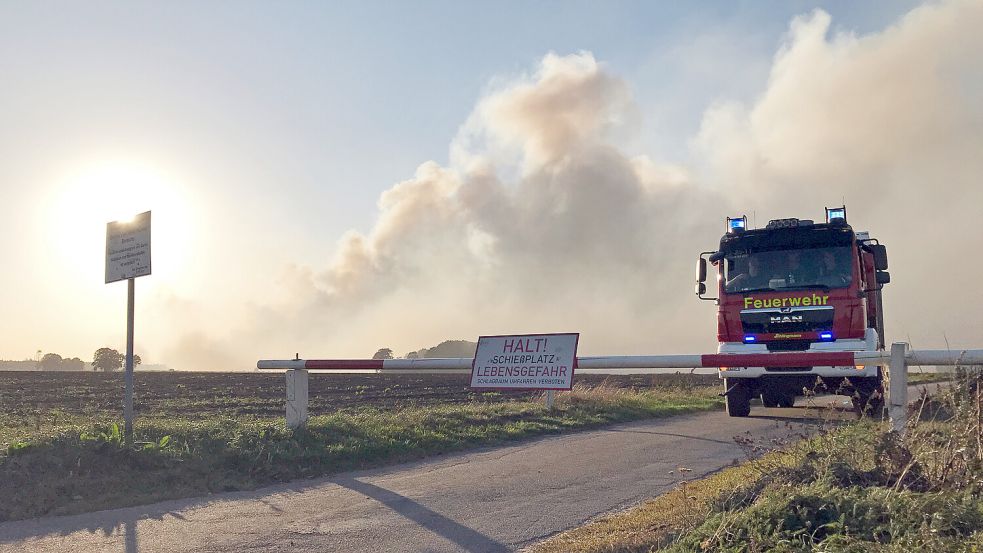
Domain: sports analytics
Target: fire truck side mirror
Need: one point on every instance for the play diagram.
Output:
(701, 275)
(880, 256)
(883, 277)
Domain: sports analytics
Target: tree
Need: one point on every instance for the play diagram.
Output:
(452, 348)
(136, 360)
(412, 355)
(73, 364)
(51, 362)
(384, 353)
(107, 359)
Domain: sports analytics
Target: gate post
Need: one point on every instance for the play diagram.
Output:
(296, 398)
(898, 388)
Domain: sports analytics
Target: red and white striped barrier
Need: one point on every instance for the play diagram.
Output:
(714, 360)
(898, 359)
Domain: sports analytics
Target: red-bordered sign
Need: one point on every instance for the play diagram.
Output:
(525, 362)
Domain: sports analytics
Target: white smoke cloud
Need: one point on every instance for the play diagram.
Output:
(542, 222)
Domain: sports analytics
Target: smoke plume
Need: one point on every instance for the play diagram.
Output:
(543, 222)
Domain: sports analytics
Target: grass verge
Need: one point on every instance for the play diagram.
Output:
(856, 488)
(78, 467)
(926, 378)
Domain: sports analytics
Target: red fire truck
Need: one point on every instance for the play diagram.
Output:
(797, 286)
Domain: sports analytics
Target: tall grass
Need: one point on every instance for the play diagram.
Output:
(865, 489)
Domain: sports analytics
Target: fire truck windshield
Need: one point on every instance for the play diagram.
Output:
(821, 267)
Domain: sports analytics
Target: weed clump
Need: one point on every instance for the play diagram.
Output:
(821, 516)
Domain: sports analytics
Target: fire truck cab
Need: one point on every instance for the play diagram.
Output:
(797, 286)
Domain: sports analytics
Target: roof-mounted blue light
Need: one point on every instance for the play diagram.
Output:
(736, 224)
(826, 336)
(836, 214)
(750, 338)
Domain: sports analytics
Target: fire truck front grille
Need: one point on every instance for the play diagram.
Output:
(788, 369)
(799, 319)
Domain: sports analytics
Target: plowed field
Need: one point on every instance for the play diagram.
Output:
(23, 394)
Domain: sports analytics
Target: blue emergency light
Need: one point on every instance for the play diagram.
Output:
(750, 338)
(736, 224)
(836, 213)
(826, 336)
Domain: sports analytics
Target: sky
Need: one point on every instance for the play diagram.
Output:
(332, 178)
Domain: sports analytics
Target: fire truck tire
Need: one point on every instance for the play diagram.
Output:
(770, 397)
(774, 394)
(787, 399)
(768, 401)
(738, 398)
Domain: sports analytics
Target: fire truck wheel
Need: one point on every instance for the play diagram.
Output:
(739, 397)
(787, 399)
(775, 394)
(770, 397)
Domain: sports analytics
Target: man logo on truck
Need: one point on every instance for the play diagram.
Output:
(787, 319)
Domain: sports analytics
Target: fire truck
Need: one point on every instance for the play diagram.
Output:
(797, 286)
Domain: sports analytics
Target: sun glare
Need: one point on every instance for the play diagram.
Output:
(85, 201)
(126, 220)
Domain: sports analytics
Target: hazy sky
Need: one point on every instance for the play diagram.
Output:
(331, 178)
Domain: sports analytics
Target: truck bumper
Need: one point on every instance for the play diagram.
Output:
(869, 343)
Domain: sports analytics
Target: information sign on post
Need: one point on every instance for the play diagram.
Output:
(525, 361)
(128, 257)
(128, 248)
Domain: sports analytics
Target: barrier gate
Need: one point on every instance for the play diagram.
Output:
(897, 360)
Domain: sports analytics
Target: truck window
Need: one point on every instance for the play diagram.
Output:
(825, 267)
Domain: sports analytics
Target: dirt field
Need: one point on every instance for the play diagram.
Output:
(23, 394)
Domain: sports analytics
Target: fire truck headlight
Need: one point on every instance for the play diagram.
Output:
(826, 336)
(750, 339)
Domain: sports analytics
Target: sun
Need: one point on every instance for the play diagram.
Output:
(84, 201)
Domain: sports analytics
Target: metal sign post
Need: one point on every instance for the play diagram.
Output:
(128, 257)
(128, 378)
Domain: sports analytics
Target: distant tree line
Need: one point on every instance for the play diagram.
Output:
(105, 359)
(55, 362)
(447, 348)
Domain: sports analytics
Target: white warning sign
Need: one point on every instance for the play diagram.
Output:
(525, 361)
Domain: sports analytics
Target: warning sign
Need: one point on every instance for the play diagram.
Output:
(525, 361)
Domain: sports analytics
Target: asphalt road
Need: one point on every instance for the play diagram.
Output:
(489, 500)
